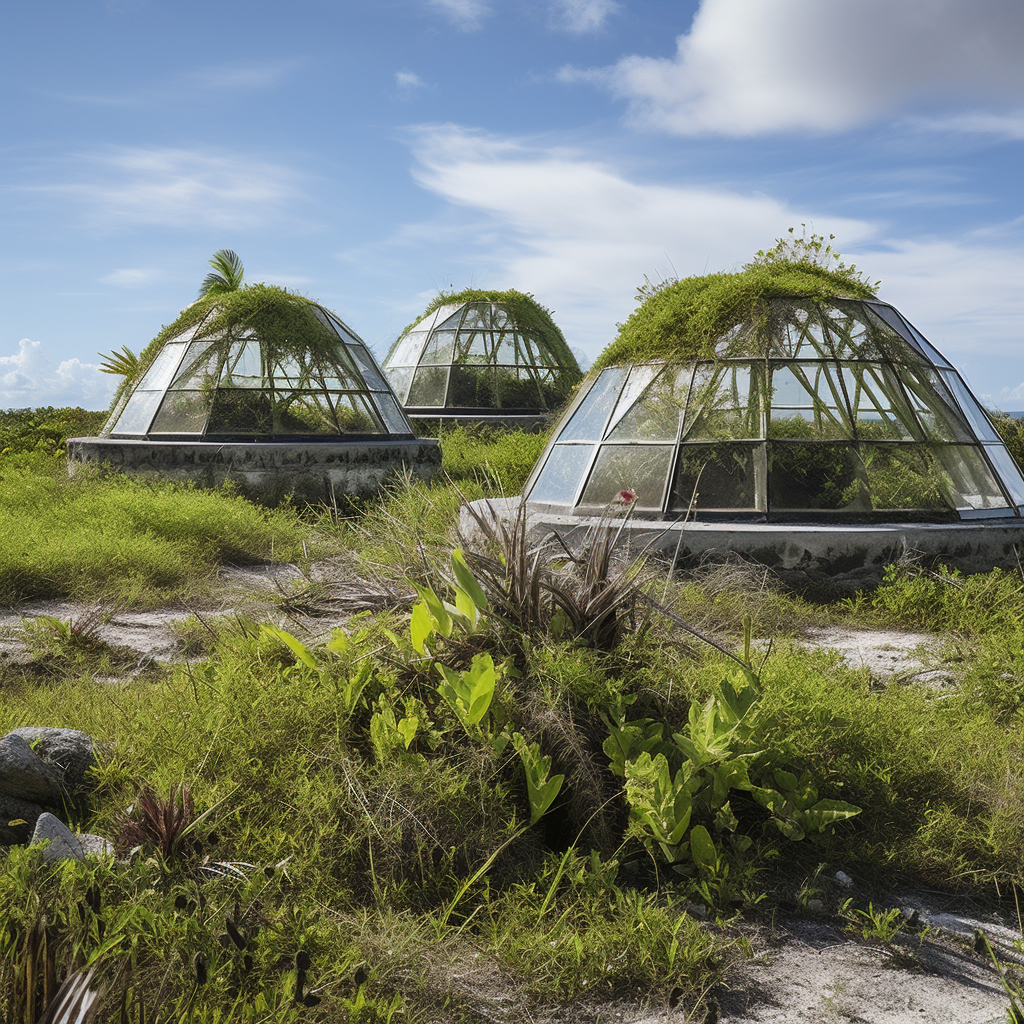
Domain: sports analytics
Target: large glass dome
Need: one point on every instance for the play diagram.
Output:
(480, 352)
(781, 406)
(258, 363)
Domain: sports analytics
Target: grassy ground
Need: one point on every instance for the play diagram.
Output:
(378, 841)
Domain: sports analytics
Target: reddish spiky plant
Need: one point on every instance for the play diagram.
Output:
(158, 821)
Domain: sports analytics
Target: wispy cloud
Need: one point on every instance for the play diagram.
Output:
(242, 76)
(749, 67)
(582, 235)
(1009, 127)
(407, 84)
(136, 277)
(28, 379)
(581, 16)
(463, 14)
(125, 187)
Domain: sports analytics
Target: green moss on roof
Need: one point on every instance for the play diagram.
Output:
(284, 323)
(683, 320)
(526, 313)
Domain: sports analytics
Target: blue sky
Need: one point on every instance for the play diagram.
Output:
(369, 152)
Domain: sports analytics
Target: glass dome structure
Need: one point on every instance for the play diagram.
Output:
(791, 406)
(257, 364)
(479, 353)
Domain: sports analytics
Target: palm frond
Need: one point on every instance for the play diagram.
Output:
(123, 362)
(226, 275)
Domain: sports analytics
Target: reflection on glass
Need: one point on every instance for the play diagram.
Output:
(160, 372)
(641, 469)
(428, 386)
(1008, 471)
(400, 377)
(976, 416)
(589, 419)
(807, 402)
(182, 412)
(973, 485)
(137, 413)
(711, 477)
(557, 482)
(722, 403)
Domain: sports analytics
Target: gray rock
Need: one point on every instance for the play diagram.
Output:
(62, 842)
(67, 749)
(94, 846)
(25, 775)
(13, 809)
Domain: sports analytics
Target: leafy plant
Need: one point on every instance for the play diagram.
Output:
(162, 822)
(226, 275)
(871, 924)
(542, 786)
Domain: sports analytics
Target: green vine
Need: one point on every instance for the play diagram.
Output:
(284, 322)
(682, 320)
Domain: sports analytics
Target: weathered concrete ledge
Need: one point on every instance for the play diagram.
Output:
(265, 471)
(826, 559)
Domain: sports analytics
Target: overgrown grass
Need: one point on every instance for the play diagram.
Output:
(503, 459)
(368, 854)
(122, 540)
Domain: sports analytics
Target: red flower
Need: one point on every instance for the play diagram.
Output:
(626, 497)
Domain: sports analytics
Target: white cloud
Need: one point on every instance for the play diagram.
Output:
(407, 83)
(581, 236)
(748, 67)
(583, 15)
(29, 379)
(1010, 399)
(242, 76)
(177, 188)
(1004, 126)
(464, 14)
(129, 278)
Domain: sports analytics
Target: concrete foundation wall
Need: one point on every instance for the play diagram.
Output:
(830, 560)
(266, 472)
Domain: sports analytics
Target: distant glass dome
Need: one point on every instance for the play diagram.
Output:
(257, 364)
(776, 400)
(480, 353)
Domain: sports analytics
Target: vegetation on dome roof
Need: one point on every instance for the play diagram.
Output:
(526, 312)
(284, 323)
(683, 319)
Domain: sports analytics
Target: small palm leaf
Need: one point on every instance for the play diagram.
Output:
(226, 275)
(123, 362)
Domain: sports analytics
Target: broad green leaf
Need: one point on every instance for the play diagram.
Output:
(702, 848)
(786, 781)
(297, 648)
(466, 579)
(407, 729)
(828, 812)
(421, 626)
(442, 620)
(339, 642)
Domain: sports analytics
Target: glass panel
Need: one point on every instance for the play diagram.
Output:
(367, 368)
(807, 402)
(656, 416)
(637, 382)
(447, 318)
(905, 477)
(182, 412)
(428, 386)
(241, 411)
(474, 347)
(933, 405)
(394, 418)
(343, 330)
(899, 325)
(880, 409)
(400, 377)
(1008, 471)
(160, 372)
(926, 346)
(198, 368)
(517, 388)
(974, 486)
(438, 348)
(850, 336)
(715, 477)
(721, 403)
(408, 351)
(244, 366)
(641, 469)
(816, 476)
(587, 422)
(471, 387)
(560, 478)
(137, 413)
(980, 422)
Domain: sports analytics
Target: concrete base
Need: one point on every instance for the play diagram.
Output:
(825, 560)
(267, 472)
